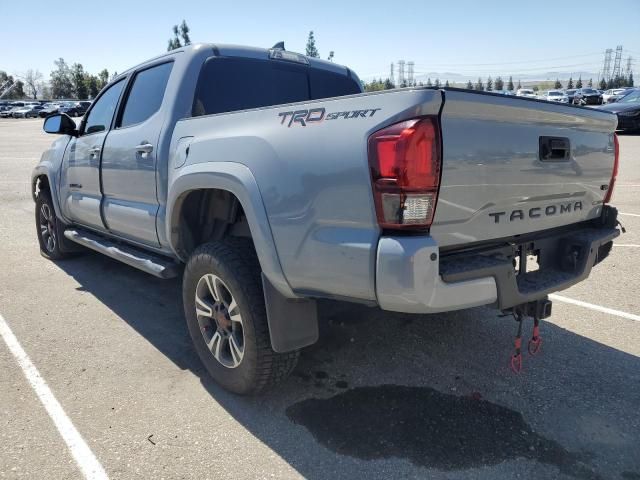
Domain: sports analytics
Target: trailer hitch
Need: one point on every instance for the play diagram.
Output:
(538, 310)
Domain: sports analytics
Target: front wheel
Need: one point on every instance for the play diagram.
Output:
(227, 320)
(49, 228)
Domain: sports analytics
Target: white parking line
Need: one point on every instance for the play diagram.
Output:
(629, 214)
(84, 457)
(610, 311)
(625, 245)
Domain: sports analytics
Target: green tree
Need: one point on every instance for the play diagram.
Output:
(437, 83)
(78, 81)
(180, 36)
(388, 85)
(91, 83)
(489, 83)
(510, 84)
(557, 84)
(103, 78)
(579, 82)
(479, 85)
(499, 83)
(469, 85)
(60, 80)
(312, 51)
(446, 84)
(590, 84)
(630, 80)
(32, 82)
(519, 85)
(429, 84)
(603, 84)
(570, 83)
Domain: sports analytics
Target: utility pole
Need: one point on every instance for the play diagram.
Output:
(606, 68)
(617, 63)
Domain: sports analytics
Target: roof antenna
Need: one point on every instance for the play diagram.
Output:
(278, 46)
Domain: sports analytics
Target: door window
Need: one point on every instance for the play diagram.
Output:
(100, 116)
(146, 94)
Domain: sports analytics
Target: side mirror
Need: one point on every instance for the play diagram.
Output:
(60, 123)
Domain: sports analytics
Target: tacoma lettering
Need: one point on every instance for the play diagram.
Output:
(536, 212)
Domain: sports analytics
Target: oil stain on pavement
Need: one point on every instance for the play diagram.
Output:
(429, 428)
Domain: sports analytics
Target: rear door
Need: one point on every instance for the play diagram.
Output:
(129, 158)
(513, 166)
(80, 180)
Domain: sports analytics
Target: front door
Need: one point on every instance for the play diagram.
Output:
(129, 159)
(80, 181)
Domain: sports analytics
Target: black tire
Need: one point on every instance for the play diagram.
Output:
(52, 242)
(235, 263)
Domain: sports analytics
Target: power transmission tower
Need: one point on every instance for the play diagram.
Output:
(401, 79)
(627, 70)
(410, 65)
(617, 62)
(606, 68)
(391, 77)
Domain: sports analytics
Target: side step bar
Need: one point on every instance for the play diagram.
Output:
(147, 262)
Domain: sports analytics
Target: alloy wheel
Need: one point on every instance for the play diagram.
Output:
(48, 227)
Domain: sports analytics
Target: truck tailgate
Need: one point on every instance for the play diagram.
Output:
(513, 166)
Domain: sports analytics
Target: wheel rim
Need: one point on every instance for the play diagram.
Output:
(47, 227)
(219, 320)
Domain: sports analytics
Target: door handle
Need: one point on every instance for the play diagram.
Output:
(144, 148)
(95, 150)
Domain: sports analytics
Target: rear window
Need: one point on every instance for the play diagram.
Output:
(230, 84)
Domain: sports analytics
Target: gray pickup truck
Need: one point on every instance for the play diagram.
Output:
(269, 180)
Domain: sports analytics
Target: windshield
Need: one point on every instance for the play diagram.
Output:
(555, 94)
(588, 90)
(633, 97)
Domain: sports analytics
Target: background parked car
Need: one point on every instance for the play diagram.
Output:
(627, 109)
(74, 109)
(570, 94)
(526, 92)
(48, 109)
(28, 111)
(9, 112)
(587, 96)
(556, 96)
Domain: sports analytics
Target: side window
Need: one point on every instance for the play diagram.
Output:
(230, 84)
(101, 114)
(146, 94)
(325, 84)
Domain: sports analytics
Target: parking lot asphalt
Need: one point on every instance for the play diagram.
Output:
(380, 396)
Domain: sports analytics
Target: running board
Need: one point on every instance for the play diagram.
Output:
(147, 262)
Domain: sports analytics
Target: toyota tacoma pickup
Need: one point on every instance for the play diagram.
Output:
(269, 180)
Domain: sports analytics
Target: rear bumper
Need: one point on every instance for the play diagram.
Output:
(412, 277)
(628, 122)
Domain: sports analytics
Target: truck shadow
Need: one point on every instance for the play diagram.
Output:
(435, 391)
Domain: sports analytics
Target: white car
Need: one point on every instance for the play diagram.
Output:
(613, 94)
(526, 92)
(556, 96)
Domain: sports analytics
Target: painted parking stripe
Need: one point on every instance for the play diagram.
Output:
(626, 245)
(82, 454)
(629, 214)
(598, 308)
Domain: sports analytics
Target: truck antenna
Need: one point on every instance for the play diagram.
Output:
(278, 46)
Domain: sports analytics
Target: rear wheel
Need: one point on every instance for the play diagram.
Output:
(226, 316)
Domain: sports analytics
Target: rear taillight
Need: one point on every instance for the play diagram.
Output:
(612, 182)
(405, 170)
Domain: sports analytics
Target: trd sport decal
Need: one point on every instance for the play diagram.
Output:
(303, 117)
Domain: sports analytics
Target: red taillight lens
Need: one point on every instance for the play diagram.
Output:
(405, 169)
(612, 182)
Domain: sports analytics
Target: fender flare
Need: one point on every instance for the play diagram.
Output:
(237, 179)
(43, 169)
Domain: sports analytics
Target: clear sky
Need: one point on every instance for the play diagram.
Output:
(468, 38)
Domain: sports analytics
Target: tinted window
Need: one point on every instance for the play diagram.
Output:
(101, 114)
(146, 94)
(325, 84)
(229, 84)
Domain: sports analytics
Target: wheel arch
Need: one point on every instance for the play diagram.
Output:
(235, 181)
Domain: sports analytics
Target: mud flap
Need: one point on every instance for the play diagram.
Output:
(293, 323)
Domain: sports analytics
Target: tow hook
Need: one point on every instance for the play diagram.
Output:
(538, 310)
